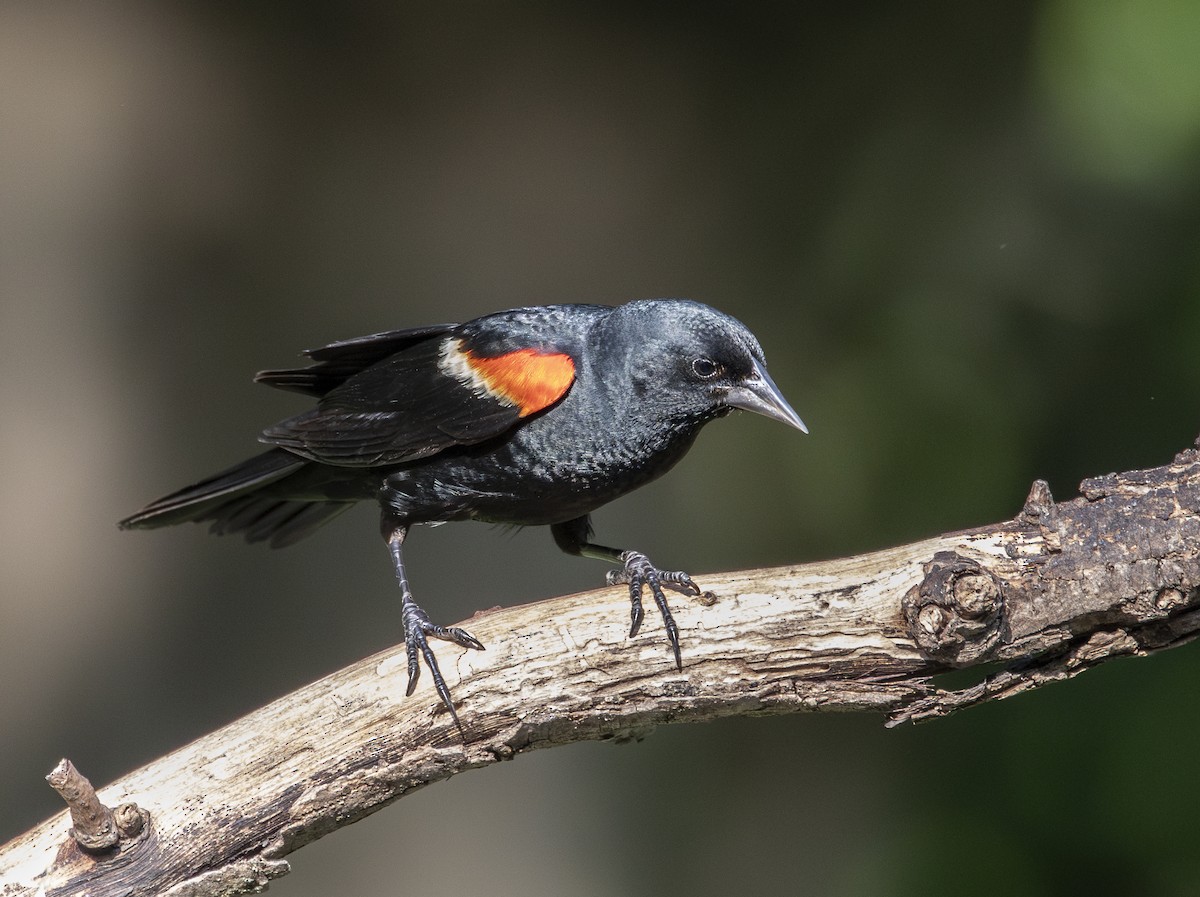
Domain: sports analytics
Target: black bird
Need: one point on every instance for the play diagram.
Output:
(533, 416)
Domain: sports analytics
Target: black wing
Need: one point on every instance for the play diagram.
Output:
(339, 361)
(430, 396)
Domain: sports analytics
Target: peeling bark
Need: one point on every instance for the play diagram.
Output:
(1055, 591)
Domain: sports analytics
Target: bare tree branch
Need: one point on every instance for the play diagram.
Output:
(1058, 589)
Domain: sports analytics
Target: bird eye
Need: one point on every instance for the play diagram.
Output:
(705, 368)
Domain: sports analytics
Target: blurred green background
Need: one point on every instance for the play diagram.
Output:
(968, 237)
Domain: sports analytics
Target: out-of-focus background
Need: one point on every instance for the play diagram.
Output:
(968, 237)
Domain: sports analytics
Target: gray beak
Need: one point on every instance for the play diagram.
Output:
(758, 393)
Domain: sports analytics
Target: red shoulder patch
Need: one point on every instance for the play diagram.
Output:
(526, 378)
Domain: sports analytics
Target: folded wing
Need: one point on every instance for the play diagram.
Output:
(431, 392)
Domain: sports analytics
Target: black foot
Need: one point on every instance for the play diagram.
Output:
(417, 631)
(639, 572)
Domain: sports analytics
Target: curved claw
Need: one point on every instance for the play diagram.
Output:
(639, 572)
(462, 638)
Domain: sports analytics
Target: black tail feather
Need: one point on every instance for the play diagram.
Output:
(232, 501)
(276, 521)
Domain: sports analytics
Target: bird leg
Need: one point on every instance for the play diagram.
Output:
(635, 570)
(418, 627)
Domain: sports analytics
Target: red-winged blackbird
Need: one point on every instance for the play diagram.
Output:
(532, 416)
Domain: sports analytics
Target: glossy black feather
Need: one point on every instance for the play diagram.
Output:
(336, 362)
(264, 518)
(398, 410)
(192, 502)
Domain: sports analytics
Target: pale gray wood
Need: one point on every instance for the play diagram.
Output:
(1048, 594)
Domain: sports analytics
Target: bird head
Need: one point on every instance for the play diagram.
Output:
(690, 361)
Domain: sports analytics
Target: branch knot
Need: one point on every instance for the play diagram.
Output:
(956, 613)
(95, 828)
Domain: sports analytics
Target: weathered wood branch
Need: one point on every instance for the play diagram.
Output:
(1058, 589)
